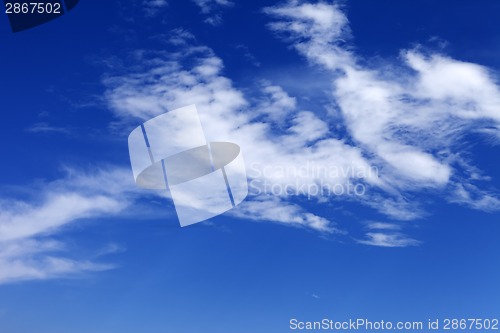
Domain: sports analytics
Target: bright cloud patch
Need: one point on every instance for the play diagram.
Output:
(27, 249)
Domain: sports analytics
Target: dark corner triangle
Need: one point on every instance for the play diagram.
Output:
(20, 22)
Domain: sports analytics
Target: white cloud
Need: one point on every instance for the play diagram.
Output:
(248, 55)
(272, 209)
(412, 116)
(30, 259)
(108, 249)
(27, 248)
(208, 7)
(180, 36)
(274, 134)
(383, 226)
(316, 30)
(388, 240)
(21, 220)
(385, 234)
(43, 127)
(152, 7)
(473, 197)
(276, 105)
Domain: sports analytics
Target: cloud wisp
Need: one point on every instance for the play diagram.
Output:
(28, 248)
(152, 7)
(211, 9)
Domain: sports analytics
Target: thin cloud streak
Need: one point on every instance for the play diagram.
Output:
(28, 250)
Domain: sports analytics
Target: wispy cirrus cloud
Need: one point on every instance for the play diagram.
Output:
(152, 7)
(207, 6)
(43, 127)
(383, 234)
(413, 115)
(30, 259)
(384, 239)
(273, 209)
(28, 249)
(211, 8)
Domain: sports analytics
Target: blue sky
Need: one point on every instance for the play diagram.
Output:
(410, 90)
